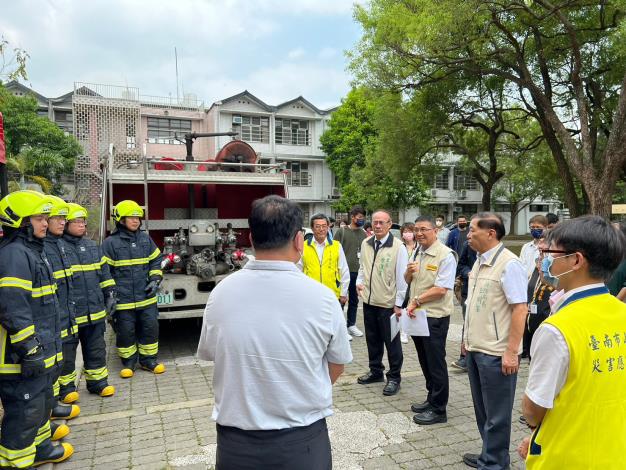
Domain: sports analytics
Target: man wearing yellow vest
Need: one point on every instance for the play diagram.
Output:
(494, 325)
(323, 259)
(431, 281)
(575, 398)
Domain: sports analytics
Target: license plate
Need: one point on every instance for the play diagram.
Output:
(165, 299)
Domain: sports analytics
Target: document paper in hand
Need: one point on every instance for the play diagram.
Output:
(417, 326)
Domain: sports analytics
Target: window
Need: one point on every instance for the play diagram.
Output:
(463, 180)
(131, 133)
(502, 207)
(292, 132)
(539, 208)
(306, 214)
(164, 130)
(298, 174)
(252, 128)
(441, 180)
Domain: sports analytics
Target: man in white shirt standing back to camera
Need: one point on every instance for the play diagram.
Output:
(277, 351)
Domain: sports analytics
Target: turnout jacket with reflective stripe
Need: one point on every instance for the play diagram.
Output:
(29, 309)
(134, 260)
(91, 279)
(54, 248)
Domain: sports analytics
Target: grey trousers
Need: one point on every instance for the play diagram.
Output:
(493, 394)
(303, 448)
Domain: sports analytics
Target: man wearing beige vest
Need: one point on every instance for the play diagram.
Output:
(431, 280)
(494, 326)
(382, 287)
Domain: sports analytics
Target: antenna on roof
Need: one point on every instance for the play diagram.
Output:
(176, 60)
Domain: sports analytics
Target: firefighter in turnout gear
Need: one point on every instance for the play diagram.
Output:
(93, 293)
(135, 263)
(30, 334)
(62, 272)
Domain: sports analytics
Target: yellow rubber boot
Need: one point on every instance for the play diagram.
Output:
(107, 391)
(61, 453)
(155, 368)
(65, 412)
(70, 398)
(126, 373)
(59, 431)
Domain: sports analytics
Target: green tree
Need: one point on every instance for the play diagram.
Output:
(12, 62)
(563, 59)
(35, 146)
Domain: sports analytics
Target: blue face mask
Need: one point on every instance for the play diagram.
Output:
(546, 264)
(360, 222)
(536, 232)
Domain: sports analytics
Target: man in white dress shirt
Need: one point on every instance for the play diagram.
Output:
(279, 342)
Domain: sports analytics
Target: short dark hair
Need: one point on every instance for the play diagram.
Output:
(319, 216)
(440, 216)
(356, 210)
(274, 221)
(552, 218)
(594, 237)
(425, 218)
(367, 225)
(461, 216)
(407, 226)
(491, 221)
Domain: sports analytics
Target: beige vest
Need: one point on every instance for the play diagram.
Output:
(379, 275)
(488, 314)
(429, 262)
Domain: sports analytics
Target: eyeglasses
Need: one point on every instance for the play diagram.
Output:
(422, 230)
(318, 227)
(543, 252)
(380, 222)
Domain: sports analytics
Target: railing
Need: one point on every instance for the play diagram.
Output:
(187, 102)
(113, 92)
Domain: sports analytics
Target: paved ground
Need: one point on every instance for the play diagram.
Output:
(164, 422)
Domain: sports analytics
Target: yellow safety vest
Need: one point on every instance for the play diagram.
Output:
(586, 428)
(327, 270)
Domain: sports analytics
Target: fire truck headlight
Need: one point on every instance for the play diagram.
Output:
(210, 229)
(193, 228)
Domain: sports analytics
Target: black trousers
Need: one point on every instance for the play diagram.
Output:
(91, 337)
(493, 394)
(137, 335)
(431, 352)
(378, 337)
(303, 448)
(532, 323)
(353, 300)
(27, 404)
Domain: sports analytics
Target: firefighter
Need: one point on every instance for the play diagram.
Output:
(62, 273)
(135, 263)
(93, 293)
(30, 334)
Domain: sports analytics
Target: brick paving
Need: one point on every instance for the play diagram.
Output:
(164, 422)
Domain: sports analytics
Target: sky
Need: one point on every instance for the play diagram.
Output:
(276, 49)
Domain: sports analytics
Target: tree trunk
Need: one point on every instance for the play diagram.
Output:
(514, 208)
(600, 197)
(486, 199)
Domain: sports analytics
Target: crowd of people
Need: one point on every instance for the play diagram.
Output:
(57, 288)
(273, 379)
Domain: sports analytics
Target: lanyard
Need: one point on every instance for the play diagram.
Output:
(584, 294)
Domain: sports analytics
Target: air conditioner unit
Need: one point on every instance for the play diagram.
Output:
(336, 192)
(462, 194)
(433, 193)
(457, 209)
(237, 120)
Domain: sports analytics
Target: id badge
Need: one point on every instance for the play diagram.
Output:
(533, 308)
(358, 255)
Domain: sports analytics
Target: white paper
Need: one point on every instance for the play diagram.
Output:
(395, 325)
(417, 326)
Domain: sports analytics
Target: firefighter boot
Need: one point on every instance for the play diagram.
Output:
(153, 366)
(59, 431)
(104, 391)
(65, 412)
(70, 398)
(128, 367)
(53, 454)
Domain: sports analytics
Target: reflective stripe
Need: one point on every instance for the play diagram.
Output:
(62, 273)
(23, 334)
(107, 283)
(74, 329)
(43, 433)
(76, 268)
(52, 360)
(16, 282)
(44, 290)
(20, 458)
(67, 379)
(98, 315)
(149, 349)
(125, 353)
(96, 374)
(82, 319)
(56, 388)
(64, 333)
(155, 272)
(134, 305)
(154, 254)
(60, 356)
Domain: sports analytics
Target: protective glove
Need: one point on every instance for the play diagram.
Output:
(110, 304)
(152, 288)
(33, 364)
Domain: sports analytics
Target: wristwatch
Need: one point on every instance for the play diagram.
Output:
(417, 301)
